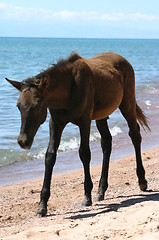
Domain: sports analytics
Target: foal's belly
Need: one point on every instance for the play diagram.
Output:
(103, 111)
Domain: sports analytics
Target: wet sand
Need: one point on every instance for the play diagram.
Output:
(126, 212)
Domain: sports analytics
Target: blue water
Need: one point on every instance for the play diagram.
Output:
(25, 57)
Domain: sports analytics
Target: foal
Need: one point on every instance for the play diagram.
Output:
(78, 90)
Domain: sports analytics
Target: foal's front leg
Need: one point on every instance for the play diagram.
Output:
(85, 155)
(56, 129)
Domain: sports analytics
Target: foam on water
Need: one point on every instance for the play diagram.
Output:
(73, 143)
(148, 103)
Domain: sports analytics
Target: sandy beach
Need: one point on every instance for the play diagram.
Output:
(126, 212)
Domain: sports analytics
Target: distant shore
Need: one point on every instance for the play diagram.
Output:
(126, 212)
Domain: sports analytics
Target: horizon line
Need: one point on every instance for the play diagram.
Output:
(118, 38)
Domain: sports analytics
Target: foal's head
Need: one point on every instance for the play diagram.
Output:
(32, 107)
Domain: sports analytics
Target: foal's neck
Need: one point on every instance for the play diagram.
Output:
(58, 91)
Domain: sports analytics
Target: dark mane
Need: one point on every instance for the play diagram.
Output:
(60, 65)
(63, 62)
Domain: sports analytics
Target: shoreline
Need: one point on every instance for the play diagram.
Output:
(33, 169)
(126, 212)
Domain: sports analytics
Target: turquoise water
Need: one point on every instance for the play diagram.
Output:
(24, 57)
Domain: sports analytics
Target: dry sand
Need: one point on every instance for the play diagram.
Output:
(126, 212)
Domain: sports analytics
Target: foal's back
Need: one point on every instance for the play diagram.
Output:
(112, 75)
(110, 65)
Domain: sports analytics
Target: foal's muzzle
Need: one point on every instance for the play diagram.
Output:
(24, 141)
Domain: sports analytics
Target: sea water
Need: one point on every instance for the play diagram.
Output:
(25, 57)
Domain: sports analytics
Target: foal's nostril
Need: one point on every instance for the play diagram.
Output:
(23, 141)
(19, 141)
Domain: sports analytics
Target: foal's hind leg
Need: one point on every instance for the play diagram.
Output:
(106, 144)
(85, 155)
(134, 133)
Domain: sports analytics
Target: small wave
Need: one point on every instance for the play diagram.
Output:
(8, 157)
(148, 103)
(74, 143)
(39, 155)
(71, 144)
(115, 130)
(146, 89)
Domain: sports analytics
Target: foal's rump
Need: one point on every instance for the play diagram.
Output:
(113, 82)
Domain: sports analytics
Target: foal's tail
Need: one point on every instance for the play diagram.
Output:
(142, 118)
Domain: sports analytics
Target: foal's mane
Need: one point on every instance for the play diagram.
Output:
(61, 65)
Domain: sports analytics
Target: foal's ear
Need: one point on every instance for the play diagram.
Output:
(42, 83)
(17, 85)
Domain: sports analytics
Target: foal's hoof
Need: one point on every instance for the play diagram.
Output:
(87, 202)
(41, 211)
(99, 197)
(143, 186)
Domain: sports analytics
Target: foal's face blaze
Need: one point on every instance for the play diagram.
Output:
(33, 113)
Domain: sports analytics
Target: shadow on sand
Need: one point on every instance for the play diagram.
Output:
(104, 208)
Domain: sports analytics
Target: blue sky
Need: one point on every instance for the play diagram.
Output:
(84, 18)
